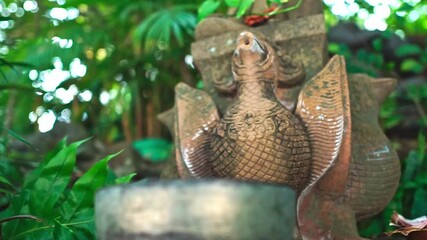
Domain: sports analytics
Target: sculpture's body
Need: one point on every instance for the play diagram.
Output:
(258, 139)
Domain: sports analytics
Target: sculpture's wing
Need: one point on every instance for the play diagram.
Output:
(323, 106)
(196, 114)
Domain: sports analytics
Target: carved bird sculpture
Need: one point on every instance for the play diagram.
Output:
(258, 139)
(332, 152)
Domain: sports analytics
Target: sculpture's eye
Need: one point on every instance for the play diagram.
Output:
(264, 52)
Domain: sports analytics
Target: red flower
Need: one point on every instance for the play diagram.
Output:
(258, 19)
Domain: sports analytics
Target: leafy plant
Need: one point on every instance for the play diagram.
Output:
(59, 212)
(161, 25)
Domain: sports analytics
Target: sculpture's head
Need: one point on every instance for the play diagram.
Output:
(253, 57)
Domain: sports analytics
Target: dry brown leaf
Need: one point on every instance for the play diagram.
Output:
(415, 229)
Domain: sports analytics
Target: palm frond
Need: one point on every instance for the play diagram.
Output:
(165, 25)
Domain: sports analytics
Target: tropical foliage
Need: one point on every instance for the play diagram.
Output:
(44, 207)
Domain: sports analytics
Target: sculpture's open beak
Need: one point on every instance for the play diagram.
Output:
(249, 50)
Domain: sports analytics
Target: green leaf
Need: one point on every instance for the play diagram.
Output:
(177, 33)
(6, 186)
(35, 174)
(419, 206)
(83, 192)
(125, 179)
(52, 181)
(153, 149)
(83, 224)
(159, 25)
(244, 6)
(411, 65)
(392, 121)
(411, 165)
(377, 44)
(111, 178)
(62, 231)
(13, 134)
(200, 85)
(408, 49)
(207, 8)
(413, 92)
(362, 55)
(421, 146)
(232, 3)
(34, 232)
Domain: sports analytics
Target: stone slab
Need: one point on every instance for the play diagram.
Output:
(195, 209)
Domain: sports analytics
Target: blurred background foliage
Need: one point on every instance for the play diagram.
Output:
(107, 68)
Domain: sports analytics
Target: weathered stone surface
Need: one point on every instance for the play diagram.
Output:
(216, 26)
(198, 209)
(307, 8)
(303, 39)
(375, 168)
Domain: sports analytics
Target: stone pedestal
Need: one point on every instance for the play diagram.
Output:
(197, 209)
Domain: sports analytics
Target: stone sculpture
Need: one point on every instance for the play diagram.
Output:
(255, 136)
(330, 148)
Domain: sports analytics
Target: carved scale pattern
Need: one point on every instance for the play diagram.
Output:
(375, 168)
(259, 140)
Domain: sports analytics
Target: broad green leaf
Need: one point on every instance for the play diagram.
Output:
(207, 8)
(244, 6)
(125, 179)
(408, 49)
(411, 65)
(34, 232)
(52, 181)
(82, 194)
(35, 174)
(62, 231)
(232, 3)
(19, 203)
(83, 224)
